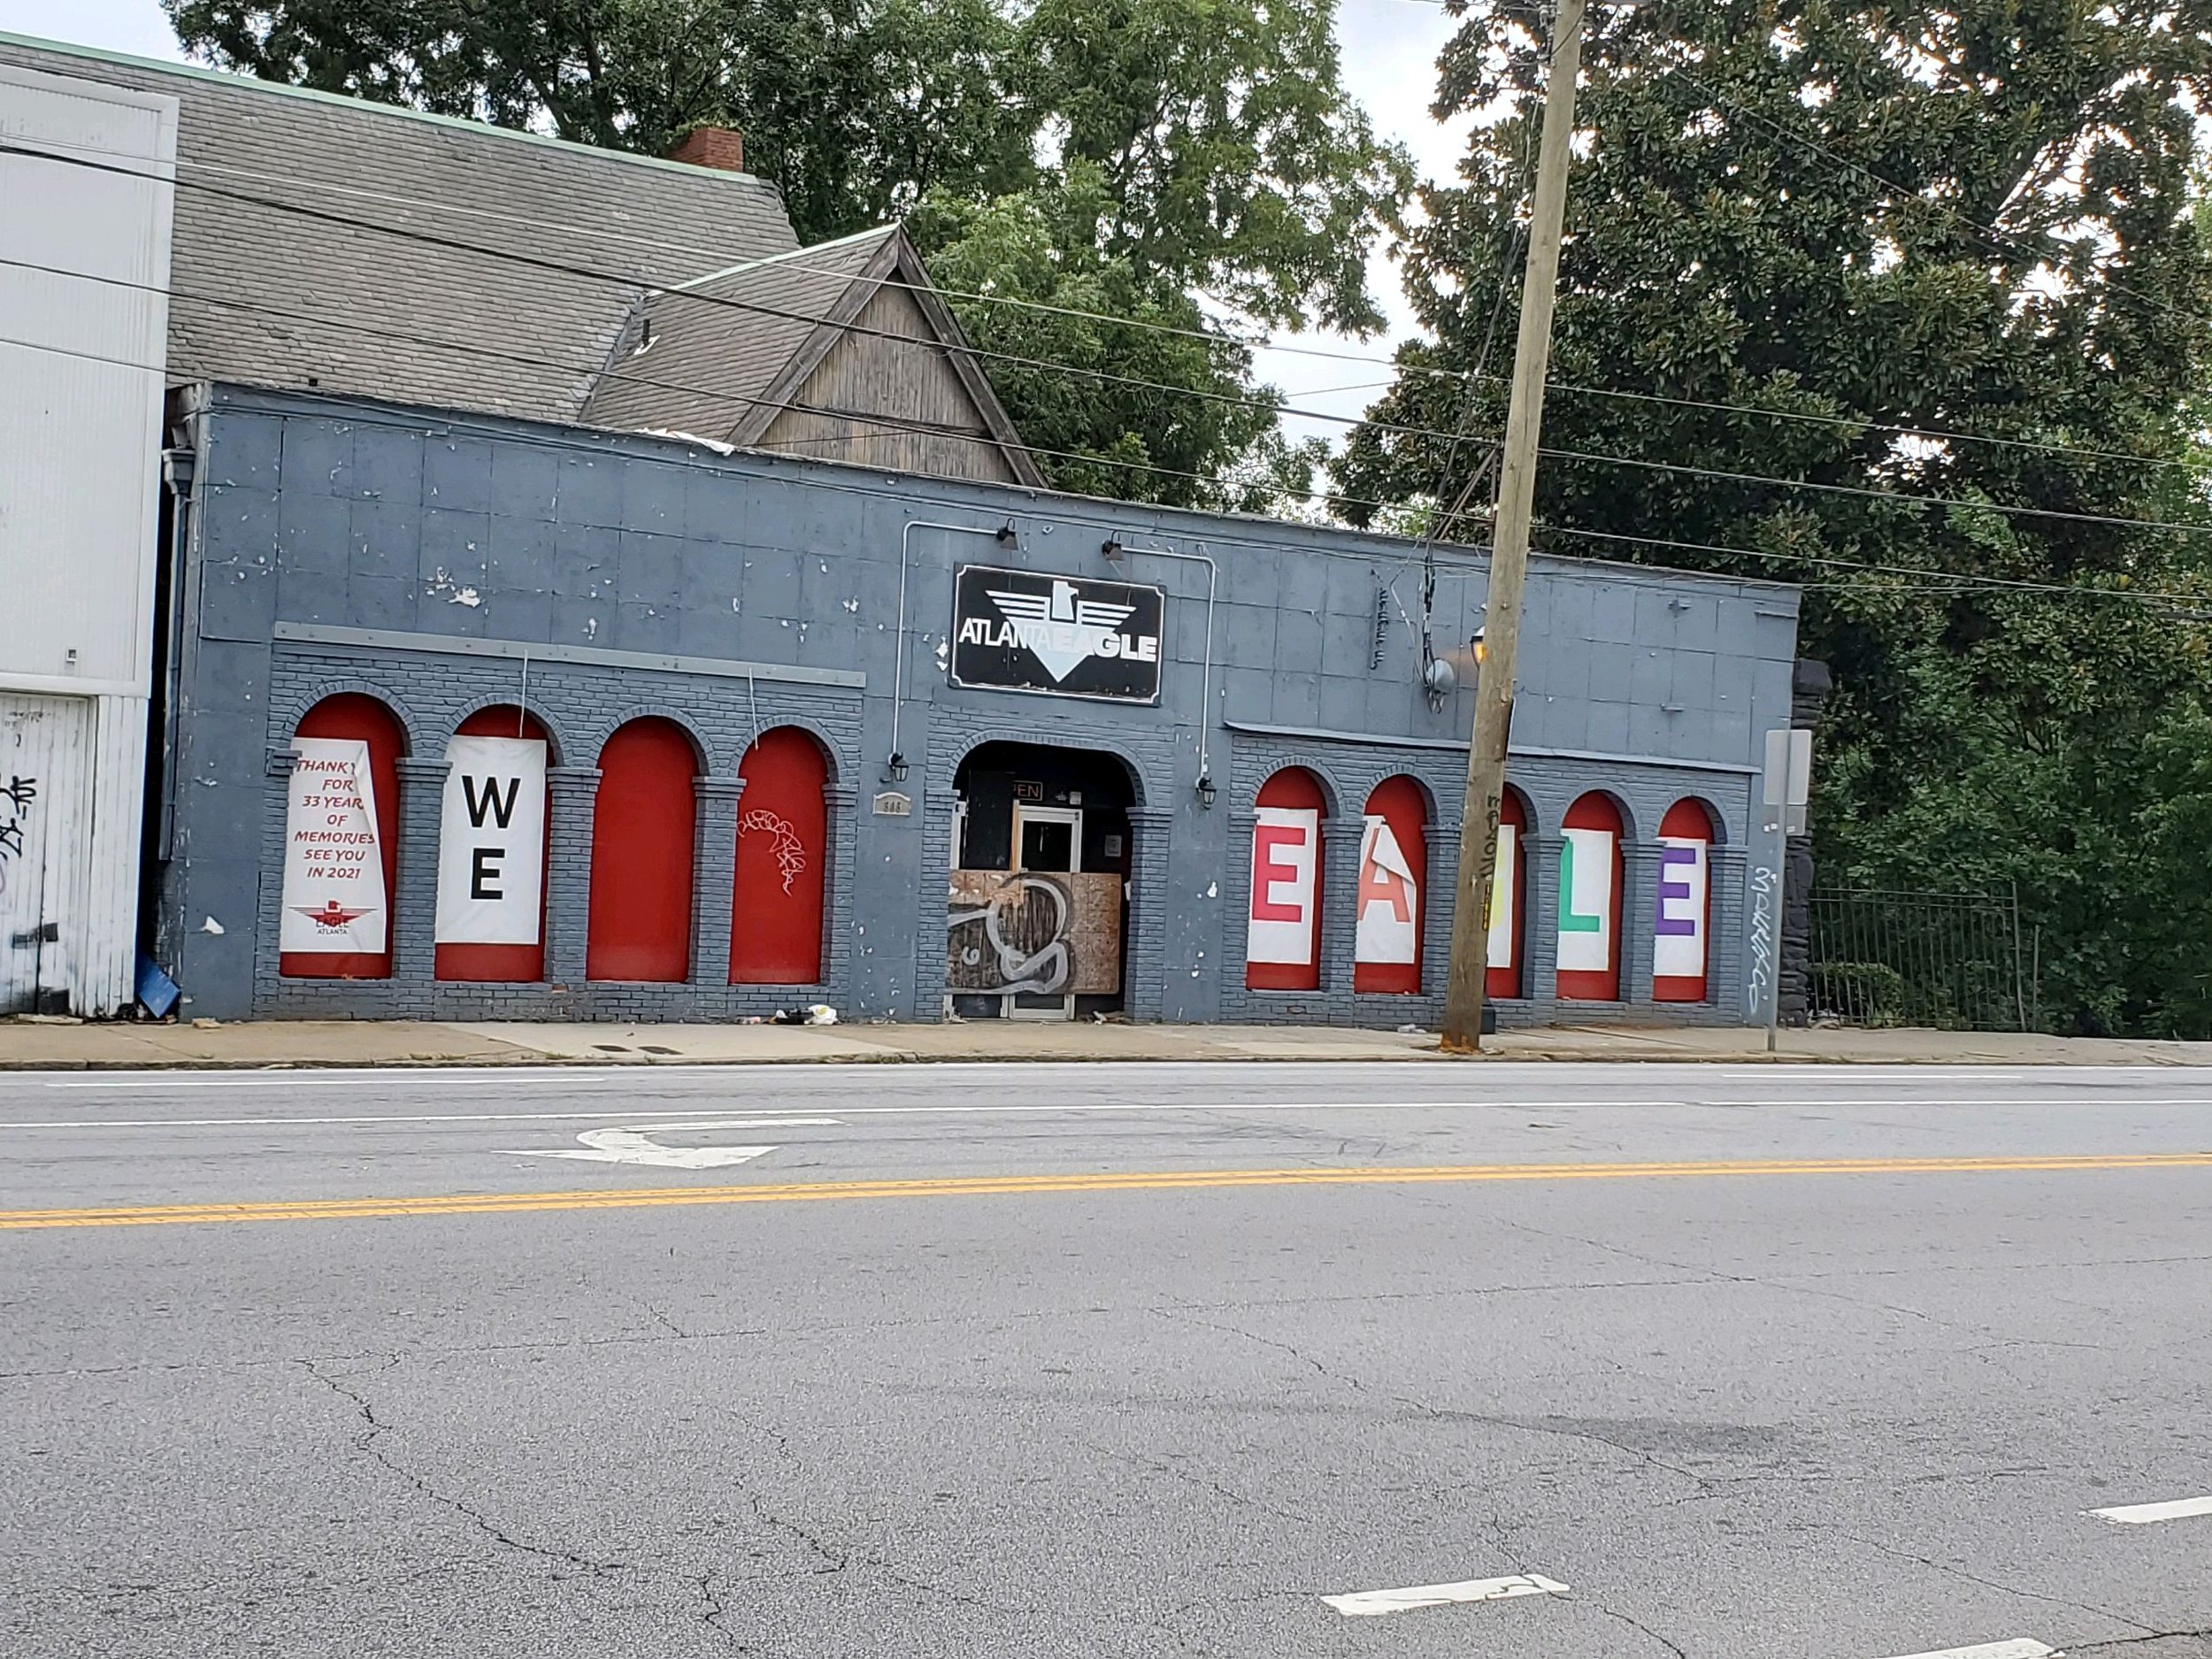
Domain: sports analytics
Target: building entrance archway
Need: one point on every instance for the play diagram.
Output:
(1038, 918)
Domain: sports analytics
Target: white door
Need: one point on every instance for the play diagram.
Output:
(1048, 840)
(45, 841)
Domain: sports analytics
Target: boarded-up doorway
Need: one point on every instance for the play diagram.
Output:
(46, 755)
(1037, 907)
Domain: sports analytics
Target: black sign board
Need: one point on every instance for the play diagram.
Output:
(1063, 635)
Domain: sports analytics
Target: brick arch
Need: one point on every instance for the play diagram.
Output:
(973, 740)
(835, 765)
(411, 726)
(1613, 798)
(558, 748)
(1716, 820)
(594, 737)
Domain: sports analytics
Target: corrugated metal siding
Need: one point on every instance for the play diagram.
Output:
(84, 262)
(106, 953)
(84, 271)
(46, 769)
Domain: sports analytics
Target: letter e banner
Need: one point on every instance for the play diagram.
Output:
(1286, 840)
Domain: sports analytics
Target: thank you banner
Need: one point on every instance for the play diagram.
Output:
(333, 867)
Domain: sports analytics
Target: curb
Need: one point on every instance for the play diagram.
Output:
(908, 1056)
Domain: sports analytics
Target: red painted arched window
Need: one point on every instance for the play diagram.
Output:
(1508, 899)
(1282, 936)
(782, 857)
(511, 961)
(1394, 876)
(339, 894)
(643, 830)
(1682, 919)
(1589, 959)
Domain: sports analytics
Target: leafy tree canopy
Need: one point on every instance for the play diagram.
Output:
(1816, 221)
(1191, 162)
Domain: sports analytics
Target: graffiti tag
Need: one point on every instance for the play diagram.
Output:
(1762, 982)
(785, 846)
(15, 815)
(1028, 941)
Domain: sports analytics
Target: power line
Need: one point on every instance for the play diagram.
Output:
(1948, 581)
(1213, 480)
(791, 262)
(1464, 559)
(1901, 497)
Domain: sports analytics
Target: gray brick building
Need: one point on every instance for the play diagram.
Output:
(1163, 845)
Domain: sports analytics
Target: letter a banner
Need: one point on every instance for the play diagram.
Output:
(1389, 899)
(491, 843)
(334, 868)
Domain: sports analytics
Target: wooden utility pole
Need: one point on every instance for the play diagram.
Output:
(1508, 551)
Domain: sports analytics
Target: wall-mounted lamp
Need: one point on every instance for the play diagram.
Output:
(1112, 548)
(1478, 647)
(894, 769)
(1006, 537)
(1205, 790)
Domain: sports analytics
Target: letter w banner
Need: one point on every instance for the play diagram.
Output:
(333, 869)
(491, 843)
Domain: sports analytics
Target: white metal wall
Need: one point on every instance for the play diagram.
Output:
(84, 270)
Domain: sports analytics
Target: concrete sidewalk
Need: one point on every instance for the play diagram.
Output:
(38, 1044)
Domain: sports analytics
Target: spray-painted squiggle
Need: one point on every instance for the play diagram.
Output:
(1756, 989)
(15, 813)
(787, 849)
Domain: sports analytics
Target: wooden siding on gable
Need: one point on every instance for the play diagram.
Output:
(895, 402)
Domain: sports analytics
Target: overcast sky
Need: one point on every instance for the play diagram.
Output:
(1389, 48)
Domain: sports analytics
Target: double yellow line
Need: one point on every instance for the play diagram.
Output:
(1023, 1186)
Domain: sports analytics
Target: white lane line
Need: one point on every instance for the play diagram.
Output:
(2020, 1648)
(1365, 1603)
(2143, 1514)
(1064, 1108)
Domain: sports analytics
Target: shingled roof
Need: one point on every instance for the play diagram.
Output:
(330, 242)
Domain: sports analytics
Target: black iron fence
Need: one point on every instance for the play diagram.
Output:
(1955, 961)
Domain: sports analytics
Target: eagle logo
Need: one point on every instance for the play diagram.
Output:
(332, 917)
(1061, 630)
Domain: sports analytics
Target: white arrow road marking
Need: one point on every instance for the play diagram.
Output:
(637, 1145)
(2020, 1648)
(1370, 1602)
(2141, 1514)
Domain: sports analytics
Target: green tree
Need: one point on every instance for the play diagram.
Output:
(1966, 219)
(1195, 163)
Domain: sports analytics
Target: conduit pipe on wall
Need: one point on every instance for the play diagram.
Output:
(894, 765)
(1114, 549)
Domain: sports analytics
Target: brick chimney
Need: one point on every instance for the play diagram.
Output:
(722, 148)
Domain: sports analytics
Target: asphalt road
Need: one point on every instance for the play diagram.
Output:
(1021, 1361)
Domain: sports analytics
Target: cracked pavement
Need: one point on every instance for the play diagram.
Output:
(1747, 1417)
